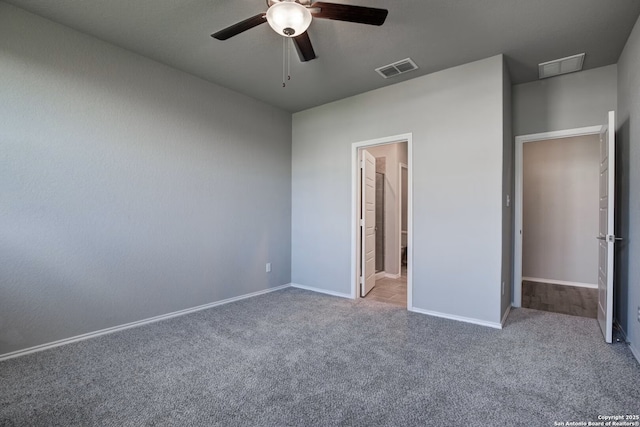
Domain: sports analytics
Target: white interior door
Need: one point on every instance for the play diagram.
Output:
(368, 223)
(606, 237)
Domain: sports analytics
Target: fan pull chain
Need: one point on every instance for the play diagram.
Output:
(286, 61)
(289, 61)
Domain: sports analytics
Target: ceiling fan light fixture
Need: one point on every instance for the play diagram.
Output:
(289, 18)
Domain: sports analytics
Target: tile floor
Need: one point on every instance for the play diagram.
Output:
(560, 299)
(392, 291)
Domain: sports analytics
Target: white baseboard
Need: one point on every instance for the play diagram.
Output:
(321, 291)
(635, 352)
(458, 318)
(135, 324)
(504, 318)
(385, 275)
(561, 282)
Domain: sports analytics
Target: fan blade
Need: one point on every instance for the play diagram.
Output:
(240, 27)
(304, 47)
(349, 13)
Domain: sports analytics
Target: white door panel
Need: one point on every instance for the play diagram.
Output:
(606, 236)
(369, 223)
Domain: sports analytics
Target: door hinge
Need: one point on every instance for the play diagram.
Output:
(361, 222)
(361, 280)
(362, 164)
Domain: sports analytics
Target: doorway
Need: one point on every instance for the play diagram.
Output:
(521, 141)
(381, 233)
(560, 221)
(606, 202)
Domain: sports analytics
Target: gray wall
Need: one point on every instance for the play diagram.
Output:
(560, 209)
(456, 117)
(508, 185)
(129, 189)
(564, 102)
(628, 190)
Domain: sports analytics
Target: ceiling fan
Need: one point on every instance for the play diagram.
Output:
(291, 18)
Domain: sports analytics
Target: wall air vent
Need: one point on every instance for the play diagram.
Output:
(397, 68)
(556, 67)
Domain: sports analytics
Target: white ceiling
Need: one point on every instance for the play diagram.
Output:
(436, 34)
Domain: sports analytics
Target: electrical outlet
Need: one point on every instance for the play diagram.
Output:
(268, 267)
(502, 288)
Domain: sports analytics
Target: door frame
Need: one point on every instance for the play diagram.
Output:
(355, 209)
(400, 188)
(518, 199)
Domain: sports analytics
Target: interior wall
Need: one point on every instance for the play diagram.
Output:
(627, 301)
(565, 102)
(560, 209)
(508, 185)
(129, 189)
(456, 120)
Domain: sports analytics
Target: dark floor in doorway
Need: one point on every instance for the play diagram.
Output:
(573, 300)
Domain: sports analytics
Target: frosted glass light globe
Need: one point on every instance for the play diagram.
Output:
(288, 18)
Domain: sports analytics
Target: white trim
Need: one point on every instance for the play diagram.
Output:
(457, 318)
(355, 196)
(409, 222)
(520, 141)
(561, 282)
(385, 275)
(321, 291)
(635, 352)
(135, 324)
(504, 317)
(399, 214)
(559, 134)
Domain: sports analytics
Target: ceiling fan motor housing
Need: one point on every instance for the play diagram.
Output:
(302, 2)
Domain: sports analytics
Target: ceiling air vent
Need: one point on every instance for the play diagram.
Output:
(556, 67)
(397, 68)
